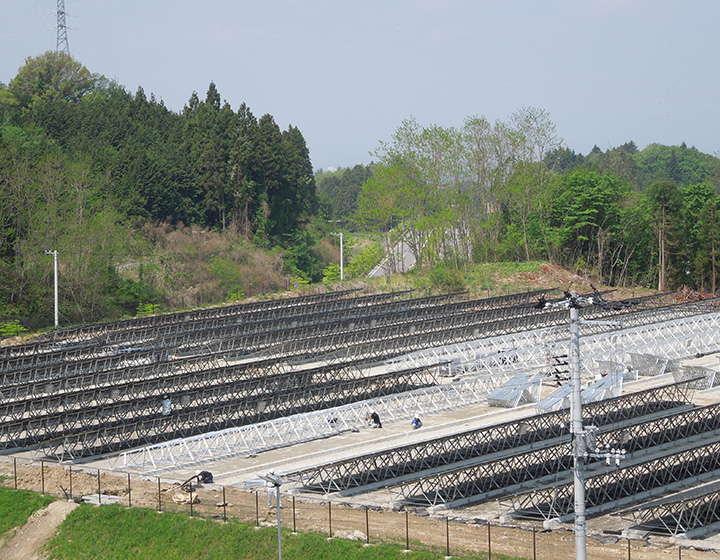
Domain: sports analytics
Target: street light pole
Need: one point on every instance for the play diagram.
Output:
(55, 259)
(276, 481)
(342, 275)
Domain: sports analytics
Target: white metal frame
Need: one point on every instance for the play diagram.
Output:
(484, 365)
(306, 427)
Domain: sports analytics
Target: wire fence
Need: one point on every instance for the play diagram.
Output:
(372, 525)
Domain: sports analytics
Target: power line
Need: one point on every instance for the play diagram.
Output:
(62, 40)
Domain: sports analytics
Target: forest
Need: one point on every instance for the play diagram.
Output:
(132, 194)
(510, 191)
(151, 209)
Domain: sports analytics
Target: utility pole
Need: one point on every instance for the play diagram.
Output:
(578, 436)
(55, 258)
(583, 441)
(62, 40)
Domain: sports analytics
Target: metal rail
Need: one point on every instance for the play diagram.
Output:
(677, 330)
(539, 329)
(663, 469)
(239, 334)
(22, 420)
(682, 513)
(74, 336)
(169, 334)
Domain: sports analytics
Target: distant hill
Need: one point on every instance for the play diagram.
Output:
(642, 168)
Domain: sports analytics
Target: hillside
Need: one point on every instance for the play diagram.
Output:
(151, 210)
(485, 280)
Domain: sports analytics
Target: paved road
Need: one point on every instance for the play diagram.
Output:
(404, 259)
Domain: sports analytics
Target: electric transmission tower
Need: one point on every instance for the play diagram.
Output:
(62, 40)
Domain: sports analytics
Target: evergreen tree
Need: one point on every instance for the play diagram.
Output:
(673, 169)
(245, 171)
(300, 196)
(271, 175)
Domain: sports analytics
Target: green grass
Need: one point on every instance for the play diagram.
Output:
(492, 278)
(481, 280)
(113, 532)
(16, 506)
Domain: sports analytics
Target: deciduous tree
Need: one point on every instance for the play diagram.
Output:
(665, 204)
(50, 76)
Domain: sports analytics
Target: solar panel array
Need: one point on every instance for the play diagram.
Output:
(666, 451)
(415, 460)
(84, 391)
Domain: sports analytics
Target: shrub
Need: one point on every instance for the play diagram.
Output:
(447, 279)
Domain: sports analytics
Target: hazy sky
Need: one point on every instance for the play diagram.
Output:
(348, 73)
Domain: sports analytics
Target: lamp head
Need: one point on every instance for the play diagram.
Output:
(271, 477)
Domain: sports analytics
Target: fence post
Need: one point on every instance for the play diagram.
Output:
(191, 501)
(367, 525)
(407, 530)
(628, 543)
(159, 497)
(15, 471)
(489, 542)
(42, 476)
(129, 492)
(71, 490)
(294, 531)
(534, 546)
(99, 494)
(224, 507)
(257, 510)
(447, 537)
(330, 519)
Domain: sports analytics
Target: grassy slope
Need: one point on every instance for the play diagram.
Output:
(114, 532)
(17, 506)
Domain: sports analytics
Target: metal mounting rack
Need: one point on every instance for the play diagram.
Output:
(682, 459)
(113, 428)
(285, 431)
(519, 470)
(416, 460)
(685, 513)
